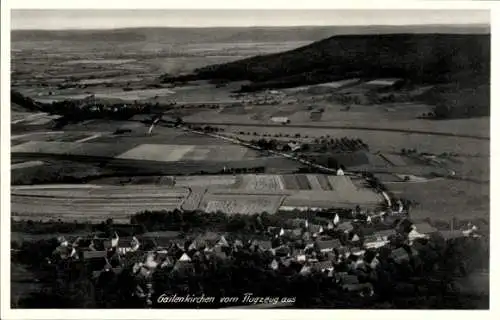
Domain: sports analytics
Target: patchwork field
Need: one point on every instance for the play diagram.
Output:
(167, 145)
(244, 204)
(256, 193)
(262, 183)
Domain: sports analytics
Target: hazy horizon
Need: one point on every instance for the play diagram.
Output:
(124, 19)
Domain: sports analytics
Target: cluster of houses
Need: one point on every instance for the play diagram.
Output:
(337, 249)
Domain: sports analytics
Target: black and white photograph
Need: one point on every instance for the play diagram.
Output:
(249, 159)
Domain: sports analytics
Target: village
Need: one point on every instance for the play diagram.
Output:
(349, 251)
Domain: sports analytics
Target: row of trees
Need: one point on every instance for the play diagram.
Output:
(339, 145)
(59, 226)
(218, 221)
(343, 144)
(208, 129)
(276, 135)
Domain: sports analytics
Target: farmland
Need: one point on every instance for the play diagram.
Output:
(244, 204)
(257, 193)
(167, 151)
(71, 203)
(387, 118)
(172, 153)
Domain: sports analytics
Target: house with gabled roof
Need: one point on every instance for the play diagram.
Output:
(314, 228)
(262, 245)
(322, 266)
(301, 258)
(286, 261)
(62, 252)
(223, 242)
(414, 235)
(357, 251)
(296, 233)
(273, 230)
(265, 245)
(282, 250)
(328, 245)
(183, 264)
(184, 258)
(309, 245)
(306, 270)
(424, 228)
(373, 242)
(383, 235)
(355, 238)
(346, 227)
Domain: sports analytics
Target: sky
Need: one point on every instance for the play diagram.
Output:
(110, 19)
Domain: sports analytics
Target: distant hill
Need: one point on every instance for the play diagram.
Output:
(418, 58)
(231, 34)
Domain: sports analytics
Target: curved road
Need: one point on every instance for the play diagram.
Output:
(305, 126)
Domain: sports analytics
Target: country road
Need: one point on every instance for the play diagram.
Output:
(304, 126)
